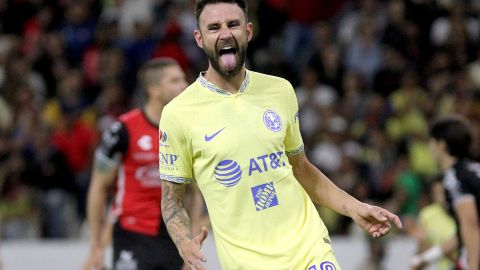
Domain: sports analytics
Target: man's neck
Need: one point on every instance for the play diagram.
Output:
(232, 85)
(153, 111)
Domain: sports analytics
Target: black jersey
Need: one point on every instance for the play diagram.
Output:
(462, 181)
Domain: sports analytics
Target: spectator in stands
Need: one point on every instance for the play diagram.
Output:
(75, 139)
(364, 54)
(78, 31)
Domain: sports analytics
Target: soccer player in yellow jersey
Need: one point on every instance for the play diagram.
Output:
(235, 133)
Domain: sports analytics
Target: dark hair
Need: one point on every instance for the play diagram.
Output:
(145, 75)
(202, 3)
(455, 131)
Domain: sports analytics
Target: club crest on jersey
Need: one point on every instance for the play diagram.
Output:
(145, 143)
(228, 172)
(272, 121)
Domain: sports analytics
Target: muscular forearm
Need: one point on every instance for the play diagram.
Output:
(323, 192)
(373, 219)
(174, 214)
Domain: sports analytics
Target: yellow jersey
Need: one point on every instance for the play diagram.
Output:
(235, 146)
(429, 218)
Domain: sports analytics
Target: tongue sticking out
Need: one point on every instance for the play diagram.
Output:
(228, 60)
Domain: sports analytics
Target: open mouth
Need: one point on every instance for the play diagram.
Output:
(227, 55)
(227, 50)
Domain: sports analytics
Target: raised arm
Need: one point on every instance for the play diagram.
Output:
(373, 219)
(178, 225)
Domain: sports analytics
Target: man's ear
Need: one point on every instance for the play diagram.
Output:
(198, 38)
(249, 31)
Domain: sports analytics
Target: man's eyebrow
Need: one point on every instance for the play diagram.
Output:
(237, 21)
(213, 24)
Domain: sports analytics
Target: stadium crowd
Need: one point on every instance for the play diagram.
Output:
(369, 76)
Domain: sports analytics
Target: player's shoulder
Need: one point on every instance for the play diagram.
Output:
(130, 116)
(468, 171)
(269, 80)
(272, 86)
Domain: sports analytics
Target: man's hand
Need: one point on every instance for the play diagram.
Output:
(430, 255)
(190, 251)
(417, 265)
(94, 260)
(375, 220)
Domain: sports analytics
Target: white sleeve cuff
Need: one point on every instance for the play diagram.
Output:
(175, 179)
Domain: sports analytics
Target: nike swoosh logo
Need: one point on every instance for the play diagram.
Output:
(209, 138)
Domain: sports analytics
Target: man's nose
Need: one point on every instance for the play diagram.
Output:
(225, 32)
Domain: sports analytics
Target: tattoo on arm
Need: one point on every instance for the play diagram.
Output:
(103, 166)
(174, 214)
(345, 210)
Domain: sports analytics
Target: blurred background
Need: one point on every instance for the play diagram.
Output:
(369, 76)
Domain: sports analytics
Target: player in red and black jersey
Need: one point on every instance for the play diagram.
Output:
(127, 159)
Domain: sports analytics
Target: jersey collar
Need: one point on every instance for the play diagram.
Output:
(212, 87)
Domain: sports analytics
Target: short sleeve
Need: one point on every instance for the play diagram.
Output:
(293, 139)
(457, 186)
(175, 152)
(114, 143)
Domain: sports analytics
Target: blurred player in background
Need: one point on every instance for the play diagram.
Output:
(451, 141)
(128, 158)
(429, 233)
(236, 133)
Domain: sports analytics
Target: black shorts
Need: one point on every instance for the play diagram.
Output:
(135, 251)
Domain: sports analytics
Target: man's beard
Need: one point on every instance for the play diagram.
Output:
(240, 57)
